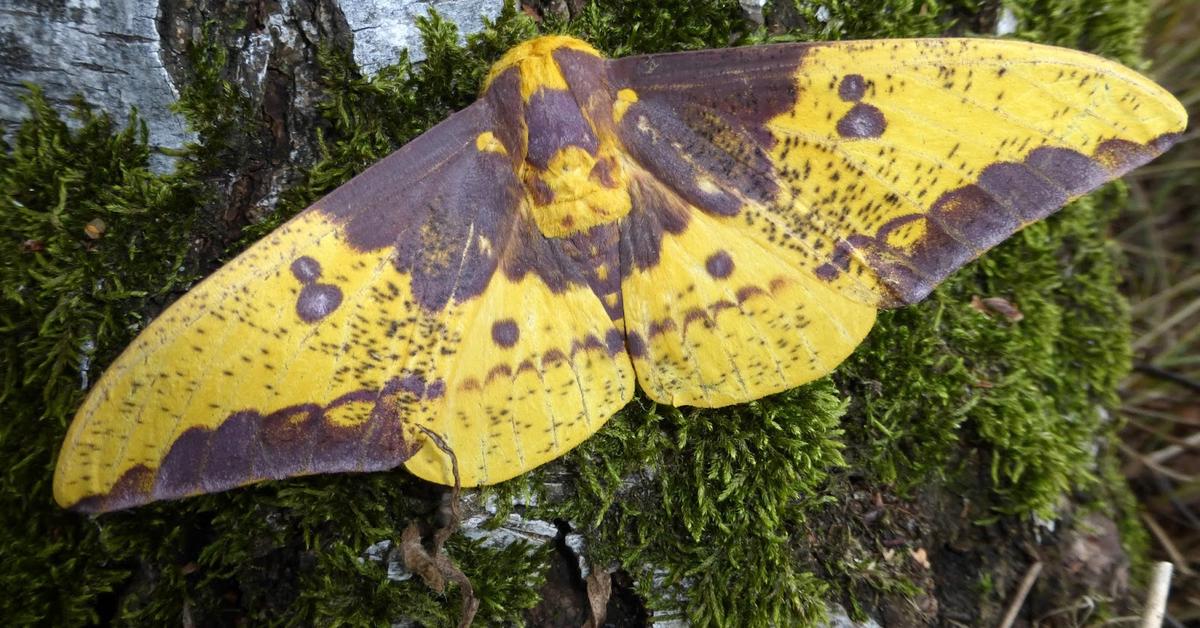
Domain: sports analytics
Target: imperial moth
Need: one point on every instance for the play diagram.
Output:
(716, 226)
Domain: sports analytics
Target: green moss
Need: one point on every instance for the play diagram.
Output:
(1114, 29)
(1028, 395)
(704, 505)
(1113, 498)
(714, 512)
(642, 26)
(846, 19)
(220, 116)
(68, 303)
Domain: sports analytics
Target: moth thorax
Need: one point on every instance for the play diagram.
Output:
(575, 191)
(573, 177)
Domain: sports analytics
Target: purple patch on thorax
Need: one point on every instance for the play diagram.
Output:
(555, 122)
(602, 173)
(587, 74)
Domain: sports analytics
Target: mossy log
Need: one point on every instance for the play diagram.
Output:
(915, 486)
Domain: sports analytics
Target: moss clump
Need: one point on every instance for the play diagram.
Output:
(716, 507)
(1028, 394)
(1113, 29)
(227, 128)
(92, 239)
(704, 507)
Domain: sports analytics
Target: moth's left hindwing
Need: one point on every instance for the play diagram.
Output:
(384, 307)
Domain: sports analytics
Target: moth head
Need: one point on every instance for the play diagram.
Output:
(534, 59)
(569, 164)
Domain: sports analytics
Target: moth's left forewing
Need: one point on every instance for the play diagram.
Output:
(297, 357)
(869, 169)
(890, 163)
(909, 158)
(245, 378)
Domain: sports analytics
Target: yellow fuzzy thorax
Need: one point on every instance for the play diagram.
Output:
(581, 199)
(537, 66)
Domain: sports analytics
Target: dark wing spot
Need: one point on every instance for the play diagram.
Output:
(505, 333)
(317, 300)
(852, 88)
(862, 121)
(719, 265)
(306, 269)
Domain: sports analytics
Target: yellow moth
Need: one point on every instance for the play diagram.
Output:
(715, 226)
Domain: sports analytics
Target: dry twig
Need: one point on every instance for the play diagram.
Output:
(1031, 576)
(436, 568)
(1156, 597)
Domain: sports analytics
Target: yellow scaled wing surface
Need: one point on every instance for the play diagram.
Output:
(720, 224)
